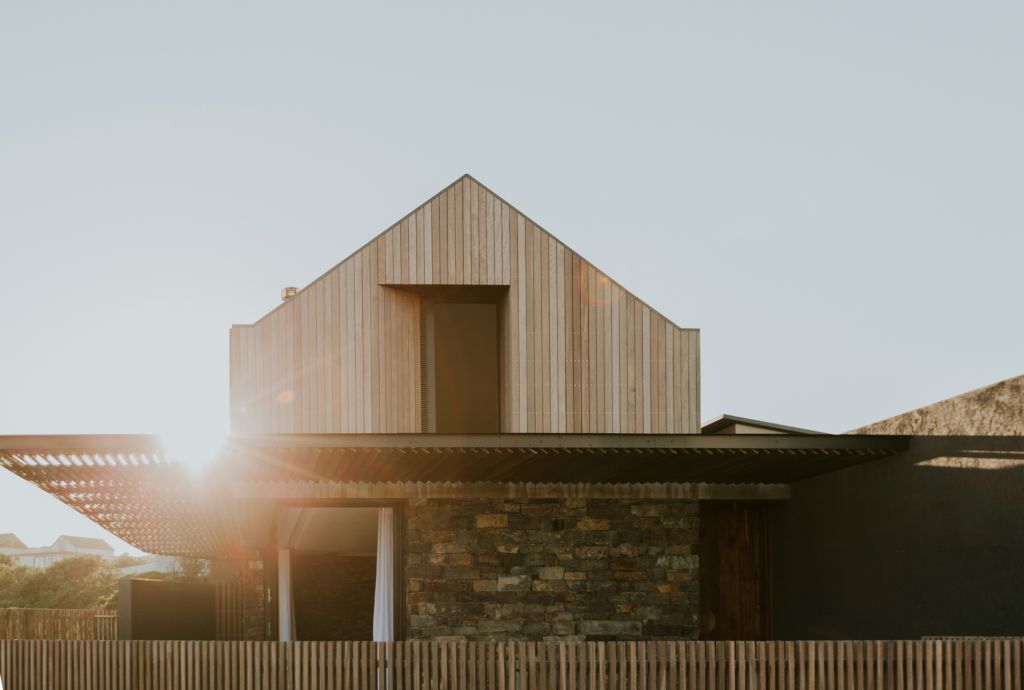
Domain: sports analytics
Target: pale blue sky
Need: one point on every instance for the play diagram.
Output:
(832, 192)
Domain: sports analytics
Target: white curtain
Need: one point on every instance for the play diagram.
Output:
(384, 594)
(285, 600)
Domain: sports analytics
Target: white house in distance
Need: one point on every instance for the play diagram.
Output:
(68, 547)
(44, 556)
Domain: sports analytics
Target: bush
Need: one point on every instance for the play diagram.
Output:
(82, 582)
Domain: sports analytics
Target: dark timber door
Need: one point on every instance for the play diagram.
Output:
(735, 594)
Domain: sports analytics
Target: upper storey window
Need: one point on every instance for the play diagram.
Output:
(460, 367)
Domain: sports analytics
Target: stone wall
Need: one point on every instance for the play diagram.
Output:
(558, 568)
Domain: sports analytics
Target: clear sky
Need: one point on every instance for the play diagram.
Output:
(833, 192)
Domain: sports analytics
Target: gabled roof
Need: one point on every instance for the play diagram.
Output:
(10, 540)
(578, 353)
(719, 424)
(419, 210)
(85, 542)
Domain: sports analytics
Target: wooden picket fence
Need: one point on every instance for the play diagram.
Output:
(146, 665)
(58, 624)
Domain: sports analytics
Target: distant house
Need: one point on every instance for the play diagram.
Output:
(465, 430)
(64, 547)
(731, 424)
(10, 542)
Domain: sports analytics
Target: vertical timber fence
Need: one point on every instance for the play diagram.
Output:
(58, 624)
(145, 665)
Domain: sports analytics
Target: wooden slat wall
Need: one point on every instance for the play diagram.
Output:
(58, 624)
(844, 665)
(578, 352)
(229, 614)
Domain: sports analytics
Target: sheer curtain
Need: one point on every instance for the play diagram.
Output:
(285, 600)
(384, 593)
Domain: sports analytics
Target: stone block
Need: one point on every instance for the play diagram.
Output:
(458, 572)
(650, 509)
(677, 562)
(551, 573)
(562, 628)
(610, 627)
(494, 627)
(630, 575)
(513, 583)
(548, 586)
(492, 520)
(626, 550)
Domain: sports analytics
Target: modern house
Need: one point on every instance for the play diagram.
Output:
(465, 430)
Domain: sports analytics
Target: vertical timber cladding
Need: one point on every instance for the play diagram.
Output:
(579, 354)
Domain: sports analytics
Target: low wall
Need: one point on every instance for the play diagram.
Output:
(144, 665)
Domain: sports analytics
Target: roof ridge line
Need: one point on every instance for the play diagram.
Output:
(541, 228)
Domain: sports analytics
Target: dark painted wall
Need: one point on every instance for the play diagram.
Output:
(160, 610)
(897, 549)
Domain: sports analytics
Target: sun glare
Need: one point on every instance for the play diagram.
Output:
(194, 448)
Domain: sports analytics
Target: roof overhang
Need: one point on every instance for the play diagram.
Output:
(132, 487)
(749, 458)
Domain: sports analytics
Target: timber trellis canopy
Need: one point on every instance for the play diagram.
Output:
(128, 485)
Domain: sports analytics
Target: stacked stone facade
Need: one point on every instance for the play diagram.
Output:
(552, 569)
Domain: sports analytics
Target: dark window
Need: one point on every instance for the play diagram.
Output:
(460, 367)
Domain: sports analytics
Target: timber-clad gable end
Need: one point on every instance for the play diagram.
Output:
(576, 353)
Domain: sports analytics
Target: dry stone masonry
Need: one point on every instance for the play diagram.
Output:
(552, 569)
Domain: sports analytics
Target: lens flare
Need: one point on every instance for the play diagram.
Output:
(194, 448)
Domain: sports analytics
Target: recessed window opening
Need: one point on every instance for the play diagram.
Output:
(336, 573)
(459, 352)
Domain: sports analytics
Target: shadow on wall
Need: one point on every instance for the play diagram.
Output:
(927, 543)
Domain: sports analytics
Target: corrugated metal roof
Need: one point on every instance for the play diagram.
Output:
(131, 487)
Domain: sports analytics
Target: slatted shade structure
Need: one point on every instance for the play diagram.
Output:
(604, 458)
(128, 485)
